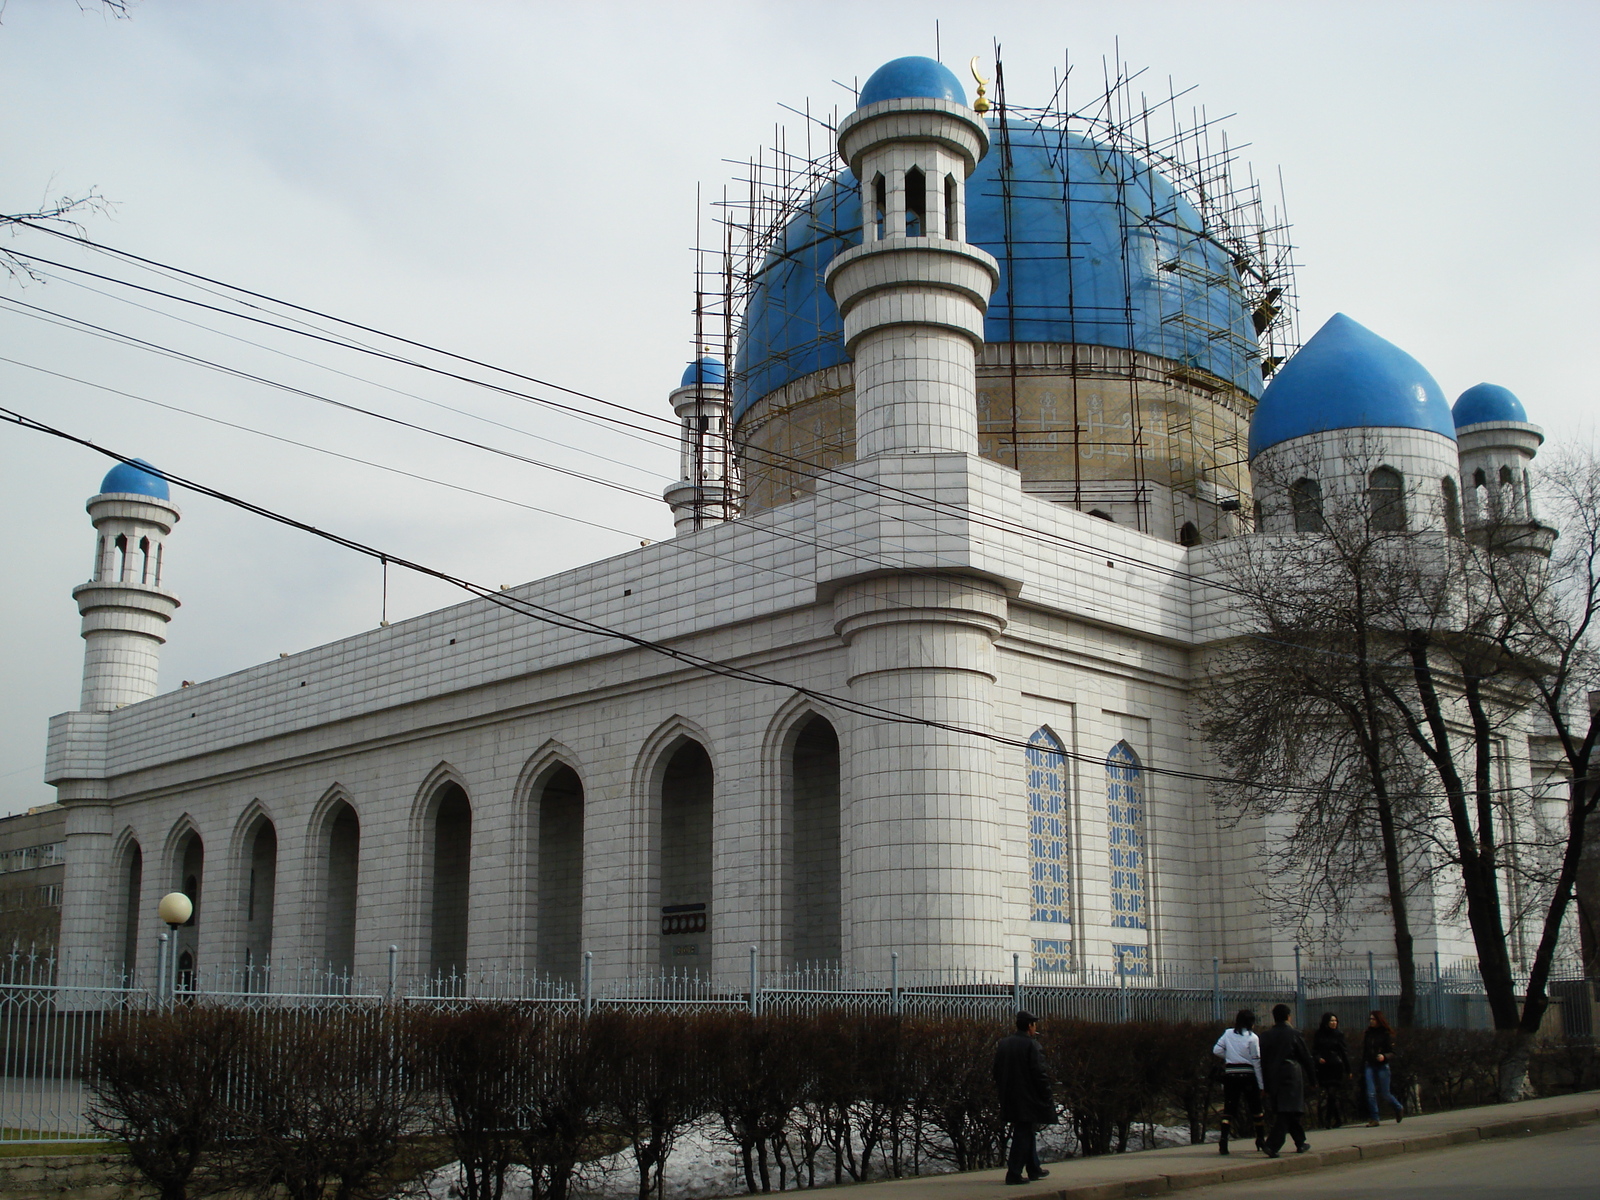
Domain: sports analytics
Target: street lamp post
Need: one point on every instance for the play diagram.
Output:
(175, 909)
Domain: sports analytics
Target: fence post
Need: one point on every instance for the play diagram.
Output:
(894, 982)
(1372, 984)
(161, 968)
(1122, 986)
(394, 973)
(1299, 989)
(1216, 990)
(754, 1003)
(1016, 981)
(588, 982)
(1438, 993)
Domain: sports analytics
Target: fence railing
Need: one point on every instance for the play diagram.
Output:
(52, 1012)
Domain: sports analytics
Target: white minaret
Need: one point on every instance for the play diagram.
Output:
(125, 606)
(1497, 444)
(705, 492)
(924, 845)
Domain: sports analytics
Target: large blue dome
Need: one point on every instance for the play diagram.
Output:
(903, 78)
(1095, 248)
(1488, 402)
(1347, 377)
(138, 478)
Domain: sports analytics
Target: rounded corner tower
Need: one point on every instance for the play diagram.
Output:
(1133, 321)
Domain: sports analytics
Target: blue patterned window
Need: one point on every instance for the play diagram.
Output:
(1125, 824)
(1049, 867)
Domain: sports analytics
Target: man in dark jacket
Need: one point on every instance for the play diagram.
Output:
(1023, 1081)
(1286, 1067)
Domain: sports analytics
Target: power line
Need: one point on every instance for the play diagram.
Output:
(813, 543)
(557, 619)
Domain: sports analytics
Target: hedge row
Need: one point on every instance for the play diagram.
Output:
(356, 1103)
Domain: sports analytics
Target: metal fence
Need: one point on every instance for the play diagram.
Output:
(52, 1012)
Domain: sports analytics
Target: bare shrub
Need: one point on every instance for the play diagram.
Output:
(160, 1083)
(328, 1100)
(652, 1084)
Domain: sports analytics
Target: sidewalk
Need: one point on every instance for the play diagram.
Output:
(1156, 1172)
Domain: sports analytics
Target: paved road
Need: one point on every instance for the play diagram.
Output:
(1550, 1166)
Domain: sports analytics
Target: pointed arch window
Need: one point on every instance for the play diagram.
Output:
(1049, 861)
(880, 204)
(1452, 506)
(952, 200)
(1125, 824)
(1387, 496)
(1305, 499)
(916, 203)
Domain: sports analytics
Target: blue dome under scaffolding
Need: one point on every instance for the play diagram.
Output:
(1095, 248)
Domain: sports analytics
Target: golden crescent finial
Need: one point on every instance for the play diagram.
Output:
(981, 104)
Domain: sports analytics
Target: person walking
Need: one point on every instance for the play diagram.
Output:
(1022, 1078)
(1377, 1059)
(1332, 1053)
(1240, 1052)
(1287, 1067)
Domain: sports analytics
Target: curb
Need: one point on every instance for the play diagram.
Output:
(1263, 1168)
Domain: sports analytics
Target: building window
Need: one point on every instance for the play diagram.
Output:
(880, 203)
(1126, 832)
(1189, 535)
(1049, 864)
(1305, 499)
(1386, 494)
(952, 199)
(1452, 506)
(916, 203)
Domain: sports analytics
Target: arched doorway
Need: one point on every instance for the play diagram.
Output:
(261, 886)
(558, 894)
(130, 874)
(815, 902)
(189, 868)
(452, 880)
(341, 850)
(684, 858)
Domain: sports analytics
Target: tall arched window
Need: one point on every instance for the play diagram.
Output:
(1305, 499)
(452, 890)
(952, 227)
(880, 204)
(1452, 506)
(1386, 493)
(1126, 832)
(1049, 863)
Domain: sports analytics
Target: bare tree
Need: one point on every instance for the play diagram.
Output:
(1294, 711)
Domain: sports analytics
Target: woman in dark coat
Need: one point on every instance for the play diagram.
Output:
(1377, 1059)
(1328, 1047)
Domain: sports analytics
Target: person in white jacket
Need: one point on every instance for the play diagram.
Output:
(1240, 1052)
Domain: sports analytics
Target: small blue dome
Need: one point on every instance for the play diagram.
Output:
(914, 76)
(707, 370)
(138, 478)
(1488, 402)
(1347, 377)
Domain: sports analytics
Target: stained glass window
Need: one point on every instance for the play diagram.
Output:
(1125, 825)
(1050, 867)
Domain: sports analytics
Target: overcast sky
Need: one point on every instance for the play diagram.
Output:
(516, 182)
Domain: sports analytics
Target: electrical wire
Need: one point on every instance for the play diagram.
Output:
(557, 619)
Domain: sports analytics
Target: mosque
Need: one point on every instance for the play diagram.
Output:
(948, 528)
